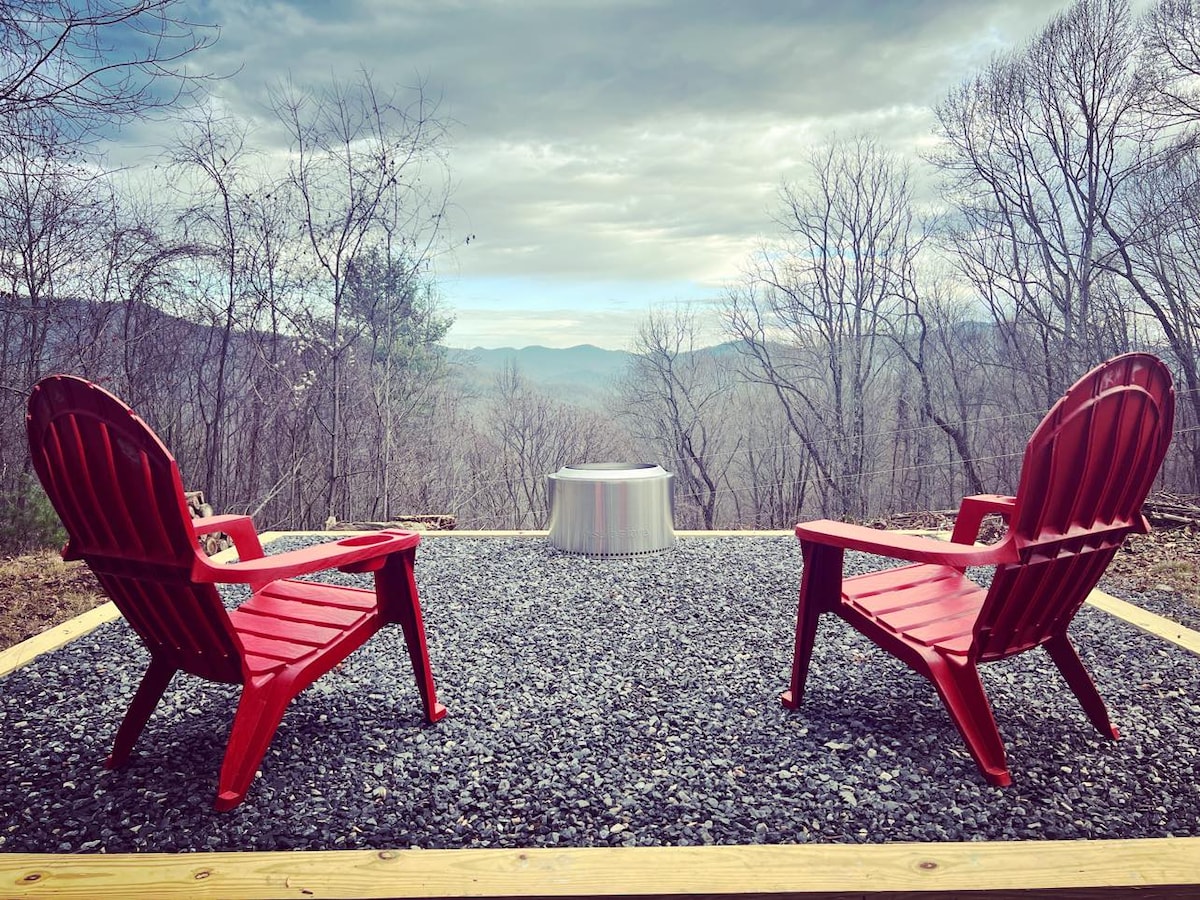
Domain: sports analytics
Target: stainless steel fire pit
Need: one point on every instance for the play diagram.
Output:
(611, 509)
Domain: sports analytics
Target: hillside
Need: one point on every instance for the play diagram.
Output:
(583, 374)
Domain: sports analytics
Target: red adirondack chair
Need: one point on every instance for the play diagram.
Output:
(1087, 470)
(118, 492)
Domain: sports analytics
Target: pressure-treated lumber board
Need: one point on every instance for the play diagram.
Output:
(1159, 626)
(1161, 867)
(28, 650)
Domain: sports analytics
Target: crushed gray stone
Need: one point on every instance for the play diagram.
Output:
(604, 702)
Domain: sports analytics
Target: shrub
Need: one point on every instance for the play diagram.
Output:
(27, 520)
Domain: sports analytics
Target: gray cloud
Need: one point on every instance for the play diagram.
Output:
(629, 139)
(523, 68)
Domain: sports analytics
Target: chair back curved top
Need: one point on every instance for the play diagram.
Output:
(119, 494)
(1088, 468)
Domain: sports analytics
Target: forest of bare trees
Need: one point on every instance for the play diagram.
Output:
(888, 348)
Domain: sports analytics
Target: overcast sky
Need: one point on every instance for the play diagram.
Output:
(615, 155)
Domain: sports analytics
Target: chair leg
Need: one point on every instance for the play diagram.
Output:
(396, 587)
(962, 692)
(1063, 653)
(820, 588)
(260, 710)
(149, 692)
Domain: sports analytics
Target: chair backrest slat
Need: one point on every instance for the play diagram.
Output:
(1088, 468)
(58, 461)
(118, 492)
(120, 505)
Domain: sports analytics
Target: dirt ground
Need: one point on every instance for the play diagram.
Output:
(39, 591)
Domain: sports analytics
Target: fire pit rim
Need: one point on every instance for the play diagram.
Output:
(600, 470)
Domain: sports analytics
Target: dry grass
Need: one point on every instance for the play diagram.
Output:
(1161, 559)
(39, 591)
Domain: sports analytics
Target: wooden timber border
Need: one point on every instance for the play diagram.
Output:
(989, 870)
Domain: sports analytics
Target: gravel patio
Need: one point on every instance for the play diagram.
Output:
(606, 702)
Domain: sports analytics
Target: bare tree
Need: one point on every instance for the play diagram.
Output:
(48, 200)
(353, 148)
(950, 359)
(1039, 149)
(95, 63)
(53, 212)
(813, 318)
(400, 359)
(678, 396)
(1160, 261)
(770, 474)
(1172, 51)
(208, 162)
(526, 436)
(1072, 169)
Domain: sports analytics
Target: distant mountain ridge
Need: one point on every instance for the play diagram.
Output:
(581, 374)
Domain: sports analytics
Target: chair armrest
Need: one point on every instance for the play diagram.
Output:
(239, 528)
(904, 546)
(350, 551)
(971, 512)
